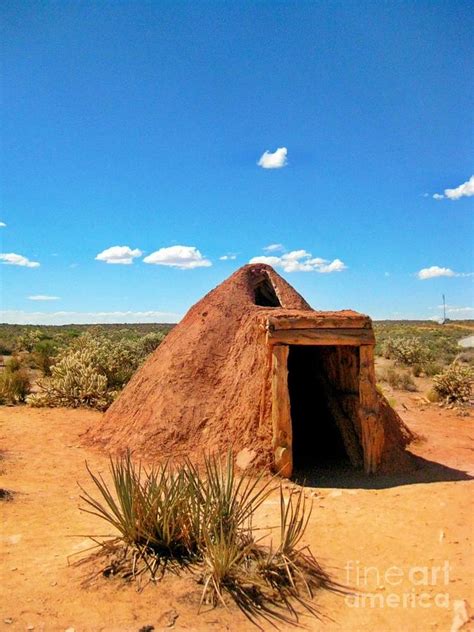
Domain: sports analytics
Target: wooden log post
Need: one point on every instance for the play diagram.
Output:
(371, 424)
(281, 414)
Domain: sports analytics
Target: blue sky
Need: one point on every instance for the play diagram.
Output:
(145, 126)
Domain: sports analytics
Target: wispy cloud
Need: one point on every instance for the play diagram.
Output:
(84, 318)
(182, 257)
(452, 309)
(274, 160)
(301, 261)
(463, 190)
(274, 248)
(12, 259)
(123, 255)
(43, 297)
(229, 257)
(2, 225)
(436, 271)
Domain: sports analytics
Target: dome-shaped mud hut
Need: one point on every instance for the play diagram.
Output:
(252, 368)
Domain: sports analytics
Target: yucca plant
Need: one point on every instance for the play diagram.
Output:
(168, 516)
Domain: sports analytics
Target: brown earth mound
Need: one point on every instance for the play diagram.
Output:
(208, 386)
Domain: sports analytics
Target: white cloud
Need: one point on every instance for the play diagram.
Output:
(228, 257)
(452, 309)
(274, 160)
(12, 259)
(2, 225)
(463, 190)
(85, 318)
(301, 261)
(183, 257)
(119, 255)
(43, 297)
(436, 271)
(274, 248)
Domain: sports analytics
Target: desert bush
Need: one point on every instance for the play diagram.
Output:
(43, 355)
(91, 371)
(14, 383)
(27, 340)
(74, 382)
(408, 351)
(399, 379)
(167, 517)
(432, 368)
(454, 384)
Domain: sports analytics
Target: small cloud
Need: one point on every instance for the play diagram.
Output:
(2, 225)
(434, 271)
(13, 259)
(73, 265)
(119, 255)
(463, 311)
(228, 257)
(274, 248)
(182, 257)
(301, 261)
(463, 190)
(274, 160)
(43, 297)
(387, 274)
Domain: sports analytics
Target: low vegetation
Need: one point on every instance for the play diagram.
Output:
(454, 384)
(401, 380)
(14, 383)
(91, 371)
(170, 519)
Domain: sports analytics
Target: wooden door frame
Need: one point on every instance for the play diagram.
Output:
(372, 438)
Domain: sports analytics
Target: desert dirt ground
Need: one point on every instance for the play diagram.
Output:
(403, 543)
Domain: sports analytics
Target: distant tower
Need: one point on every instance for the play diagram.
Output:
(444, 309)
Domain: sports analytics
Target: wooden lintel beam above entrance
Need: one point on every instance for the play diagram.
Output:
(313, 322)
(319, 336)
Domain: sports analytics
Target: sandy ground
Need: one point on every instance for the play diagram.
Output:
(404, 542)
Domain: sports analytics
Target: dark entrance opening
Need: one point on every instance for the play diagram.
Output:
(317, 441)
(265, 294)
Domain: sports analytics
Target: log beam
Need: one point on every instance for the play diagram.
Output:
(281, 414)
(357, 321)
(373, 435)
(317, 336)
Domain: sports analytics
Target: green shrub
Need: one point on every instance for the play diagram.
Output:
(74, 382)
(43, 355)
(455, 383)
(408, 351)
(91, 370)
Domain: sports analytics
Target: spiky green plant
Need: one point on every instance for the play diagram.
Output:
(183, 516)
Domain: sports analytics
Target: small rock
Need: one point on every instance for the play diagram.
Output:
(460, 614)
(168, 618)
(8, 620)
(335, 493)
(245, 458)
(30, 627)
(441, 535)
(69, 630)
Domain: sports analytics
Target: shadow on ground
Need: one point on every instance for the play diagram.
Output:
(344, 476)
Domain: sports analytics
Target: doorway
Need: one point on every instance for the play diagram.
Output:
(317, 412)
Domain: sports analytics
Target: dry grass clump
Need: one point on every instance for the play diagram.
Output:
(454, 384)
(181, 519)
(400, 380)
(14, 383)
